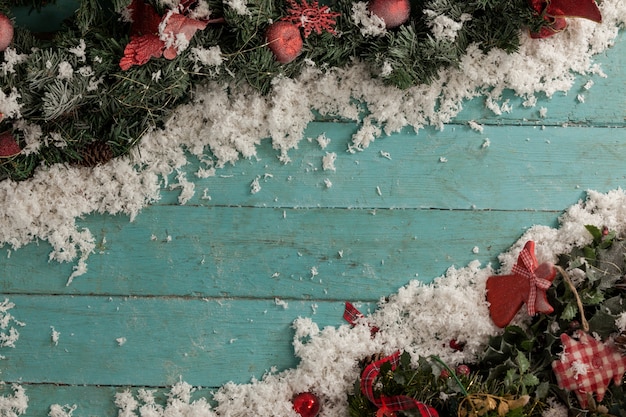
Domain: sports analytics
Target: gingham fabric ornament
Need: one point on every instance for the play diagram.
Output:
(388, 405)
(527, 284)
(587, 366)
(351, 314)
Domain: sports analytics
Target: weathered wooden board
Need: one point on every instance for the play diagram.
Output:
(201, 305)
(150, 341)
(312, 254)
(521, 169)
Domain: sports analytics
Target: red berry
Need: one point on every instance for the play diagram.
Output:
(306, 404)
(463, 370)
(393, 12)
(285, 41)
(444, 374)
(6, 32)
(456, 345)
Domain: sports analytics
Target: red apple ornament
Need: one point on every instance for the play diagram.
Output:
(6, 32)
(306, 404)
(393, 12)
(285, 41)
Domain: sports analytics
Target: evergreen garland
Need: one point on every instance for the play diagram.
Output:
(102, 103)
(513, 377)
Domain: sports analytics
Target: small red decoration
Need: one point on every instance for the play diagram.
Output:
(456, 345)
(6, 32)
(8, 145)
(527, 283)
(351, 314)
(311, 17)
(306, 404)
(587, 366)
(393, 12)
(284, 40)
(463, 370)
(555, 12)
(153, 36)
(388, 405)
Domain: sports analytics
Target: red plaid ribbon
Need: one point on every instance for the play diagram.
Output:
(387, 405)
(587, 366)
(351, 314)
(527, 270)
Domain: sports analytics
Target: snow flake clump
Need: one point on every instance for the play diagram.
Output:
(443, 27)
(369, 23)
(9, 105)
(239, 6)
(15, 404)
(178, 403)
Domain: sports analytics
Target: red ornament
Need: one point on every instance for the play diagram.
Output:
(311, 17)
(8, 145)
(527, 283)
(463, 370)
(306, 404)
(393, 12)
(456, 345)
(177, 25)
(148, 31)
(285, 41)
(351, 314)
(587, 365)
(555, 11)
(6, 32)
(388, 405)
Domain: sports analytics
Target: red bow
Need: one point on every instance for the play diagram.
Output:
(555, 11)
(527, 283)
(387, 405)
(526, 266)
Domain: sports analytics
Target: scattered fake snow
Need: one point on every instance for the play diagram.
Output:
(419, 317)
(237, 120)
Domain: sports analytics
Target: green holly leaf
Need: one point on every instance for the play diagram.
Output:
(576, 262)
(615, 305)
(589, 253)
(542, 390)
(511, 377)
(596, 233)
(522, 362)
(592, 297)
(602, 323)
(530, 380)
(569, 312)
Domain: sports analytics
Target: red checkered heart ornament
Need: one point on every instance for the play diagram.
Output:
(587, 366)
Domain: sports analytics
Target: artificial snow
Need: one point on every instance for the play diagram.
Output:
(238, 118)
(419, 319)
(416, 319)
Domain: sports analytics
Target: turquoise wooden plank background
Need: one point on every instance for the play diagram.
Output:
(193, 288)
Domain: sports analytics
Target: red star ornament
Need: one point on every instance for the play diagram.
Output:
(555, 12)
(311, 17)
(587, 366)
(527, 284)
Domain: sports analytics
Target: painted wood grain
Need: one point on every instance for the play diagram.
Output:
(147, 341)
(200, 296)
(316, 254)
(504, 168)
